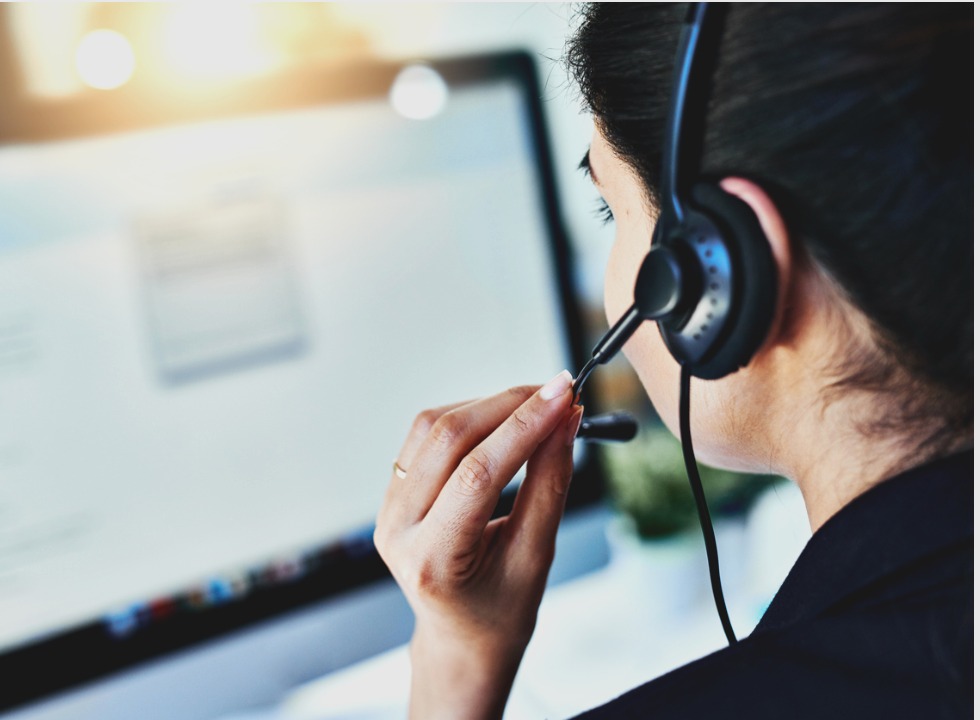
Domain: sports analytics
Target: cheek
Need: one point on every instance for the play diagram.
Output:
(624, 262)
(617, 291)
(658, 372)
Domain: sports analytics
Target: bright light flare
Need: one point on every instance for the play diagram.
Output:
(105, 60)
(419, 93)
(215, 40)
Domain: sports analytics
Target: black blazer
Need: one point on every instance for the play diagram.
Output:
(875, 620)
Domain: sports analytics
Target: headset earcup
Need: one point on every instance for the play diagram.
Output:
(754, 281)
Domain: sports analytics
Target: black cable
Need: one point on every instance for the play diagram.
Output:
(711, 548)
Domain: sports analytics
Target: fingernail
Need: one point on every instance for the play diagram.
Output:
(557, 385)
(574, 421)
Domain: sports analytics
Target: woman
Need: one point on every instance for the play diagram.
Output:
(847, 130)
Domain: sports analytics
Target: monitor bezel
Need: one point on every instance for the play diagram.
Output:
(88, 652)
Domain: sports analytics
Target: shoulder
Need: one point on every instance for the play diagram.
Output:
(876, 618)
(910, 656)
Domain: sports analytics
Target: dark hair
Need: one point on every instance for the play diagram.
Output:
(858, 120)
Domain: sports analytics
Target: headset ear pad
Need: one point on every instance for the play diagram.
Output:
(753, 281)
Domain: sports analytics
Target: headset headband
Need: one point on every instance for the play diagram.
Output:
(682, 141)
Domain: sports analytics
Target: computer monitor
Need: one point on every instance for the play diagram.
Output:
(218, 317)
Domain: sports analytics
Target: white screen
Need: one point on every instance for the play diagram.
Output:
(214, 337)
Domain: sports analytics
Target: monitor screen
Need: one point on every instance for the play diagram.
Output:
(215, 333)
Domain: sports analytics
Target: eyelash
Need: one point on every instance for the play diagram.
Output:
(603, 212)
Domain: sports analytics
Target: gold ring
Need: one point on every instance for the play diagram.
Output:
(401, 472)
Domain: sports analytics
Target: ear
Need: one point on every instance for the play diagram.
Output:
(774, 228)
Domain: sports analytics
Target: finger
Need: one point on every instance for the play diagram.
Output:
(463, 507)
(452, 436)
(540, 502)
(421, 427)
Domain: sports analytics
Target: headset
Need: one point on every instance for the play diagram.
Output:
(709, 279)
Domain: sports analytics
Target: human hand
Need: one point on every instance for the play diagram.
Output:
(475, 583)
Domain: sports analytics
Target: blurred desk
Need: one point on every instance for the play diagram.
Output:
(594, 640)
(648, 611)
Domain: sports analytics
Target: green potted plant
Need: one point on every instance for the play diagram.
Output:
(648, 485)
(656, 546)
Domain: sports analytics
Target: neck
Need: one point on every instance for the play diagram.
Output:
(832, 473)
(834, 445)
(816, 437)
(833, 468)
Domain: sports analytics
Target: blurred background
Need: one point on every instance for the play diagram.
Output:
(63, 51)
(68, 55)
(65, 65)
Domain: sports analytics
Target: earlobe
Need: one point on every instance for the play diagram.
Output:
(774, 228)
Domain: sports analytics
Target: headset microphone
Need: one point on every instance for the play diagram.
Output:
(660, 293)
(608, 427)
